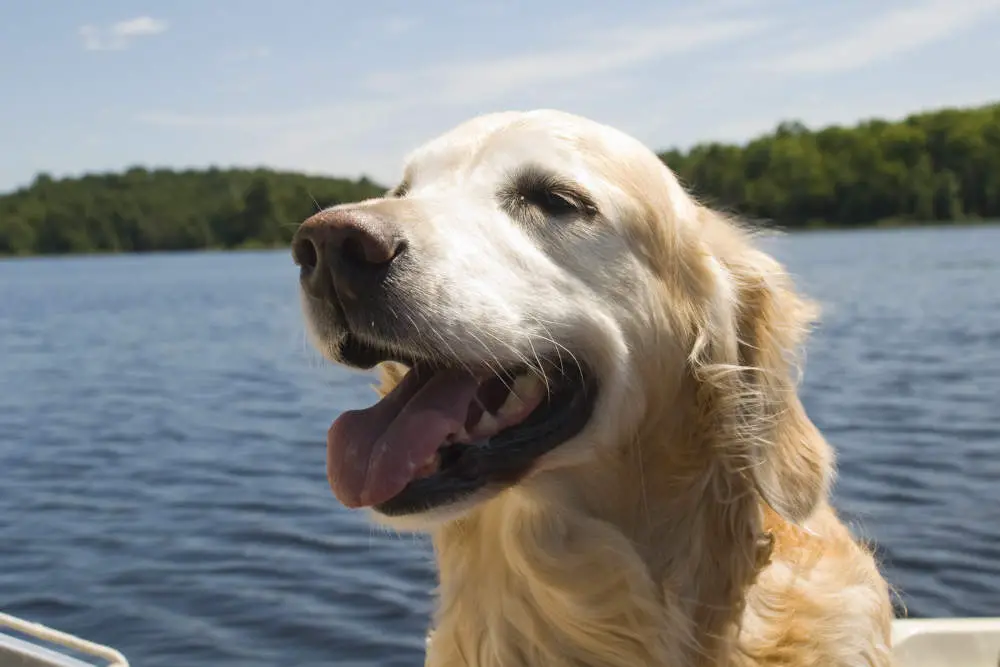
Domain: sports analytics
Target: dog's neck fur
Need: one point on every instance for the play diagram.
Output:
(584, 579)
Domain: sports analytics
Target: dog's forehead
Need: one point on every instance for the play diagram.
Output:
(494, 144)
(448, 151)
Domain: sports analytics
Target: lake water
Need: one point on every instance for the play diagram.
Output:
(162, 481)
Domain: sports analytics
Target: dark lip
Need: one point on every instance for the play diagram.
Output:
(365, 355)
(505, 459)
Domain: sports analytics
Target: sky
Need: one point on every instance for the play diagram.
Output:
(348, 89)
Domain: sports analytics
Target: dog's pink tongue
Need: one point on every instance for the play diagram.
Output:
(372, 454)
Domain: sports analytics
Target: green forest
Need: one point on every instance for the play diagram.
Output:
(935, 167)
(145, 210)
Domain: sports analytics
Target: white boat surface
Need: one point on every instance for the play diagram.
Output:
(28, 644)
(946, 642)
(933, 642)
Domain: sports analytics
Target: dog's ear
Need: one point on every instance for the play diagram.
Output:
(749, 355)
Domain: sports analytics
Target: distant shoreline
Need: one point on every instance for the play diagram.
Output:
(888, 226)
(940, 167)
(164, 251)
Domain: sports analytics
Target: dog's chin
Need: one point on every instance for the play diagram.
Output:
(427, 521)
(452, 434)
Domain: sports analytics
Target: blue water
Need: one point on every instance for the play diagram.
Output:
(162, 482)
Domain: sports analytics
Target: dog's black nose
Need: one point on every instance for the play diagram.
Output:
(346, 252)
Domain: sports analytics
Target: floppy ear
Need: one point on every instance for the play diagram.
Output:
(794, 464)
(752, 364)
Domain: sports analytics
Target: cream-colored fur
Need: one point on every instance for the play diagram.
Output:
(690, 524)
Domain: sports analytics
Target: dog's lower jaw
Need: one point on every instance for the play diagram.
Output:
(434, 519)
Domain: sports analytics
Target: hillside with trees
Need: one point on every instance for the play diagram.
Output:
(142, 210)
(941, 166)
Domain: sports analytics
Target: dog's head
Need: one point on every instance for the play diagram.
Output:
(537, 288)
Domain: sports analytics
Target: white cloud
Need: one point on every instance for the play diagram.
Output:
(120, 35)
(887, 35)
(610, 51)
(395, 26)
(349, 135)
(144, 25)
(607, 52)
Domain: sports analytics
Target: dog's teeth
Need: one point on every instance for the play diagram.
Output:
(428, 468)
(529, 388)
(512, 406)
(486, 426)
(526, 389)
(459, 437)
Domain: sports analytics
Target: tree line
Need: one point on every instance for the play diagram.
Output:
(144, 210)
(941, 166)
(934, 167)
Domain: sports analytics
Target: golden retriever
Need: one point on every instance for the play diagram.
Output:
(590, 401)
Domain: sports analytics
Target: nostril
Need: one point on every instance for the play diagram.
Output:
(364, 249)
(305, 254)
(398, 248)
(353, 251)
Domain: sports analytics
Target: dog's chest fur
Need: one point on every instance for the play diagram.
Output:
(523, 587)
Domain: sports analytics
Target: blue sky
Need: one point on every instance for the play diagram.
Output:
(347, 88)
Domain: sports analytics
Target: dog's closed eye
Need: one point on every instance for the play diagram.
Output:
(532, 194)
(399, 191)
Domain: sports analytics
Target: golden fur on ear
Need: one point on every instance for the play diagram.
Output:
(748, 353)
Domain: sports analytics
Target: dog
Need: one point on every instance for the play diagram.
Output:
(589, 400)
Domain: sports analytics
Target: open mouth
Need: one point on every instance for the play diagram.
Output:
(448, 431)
